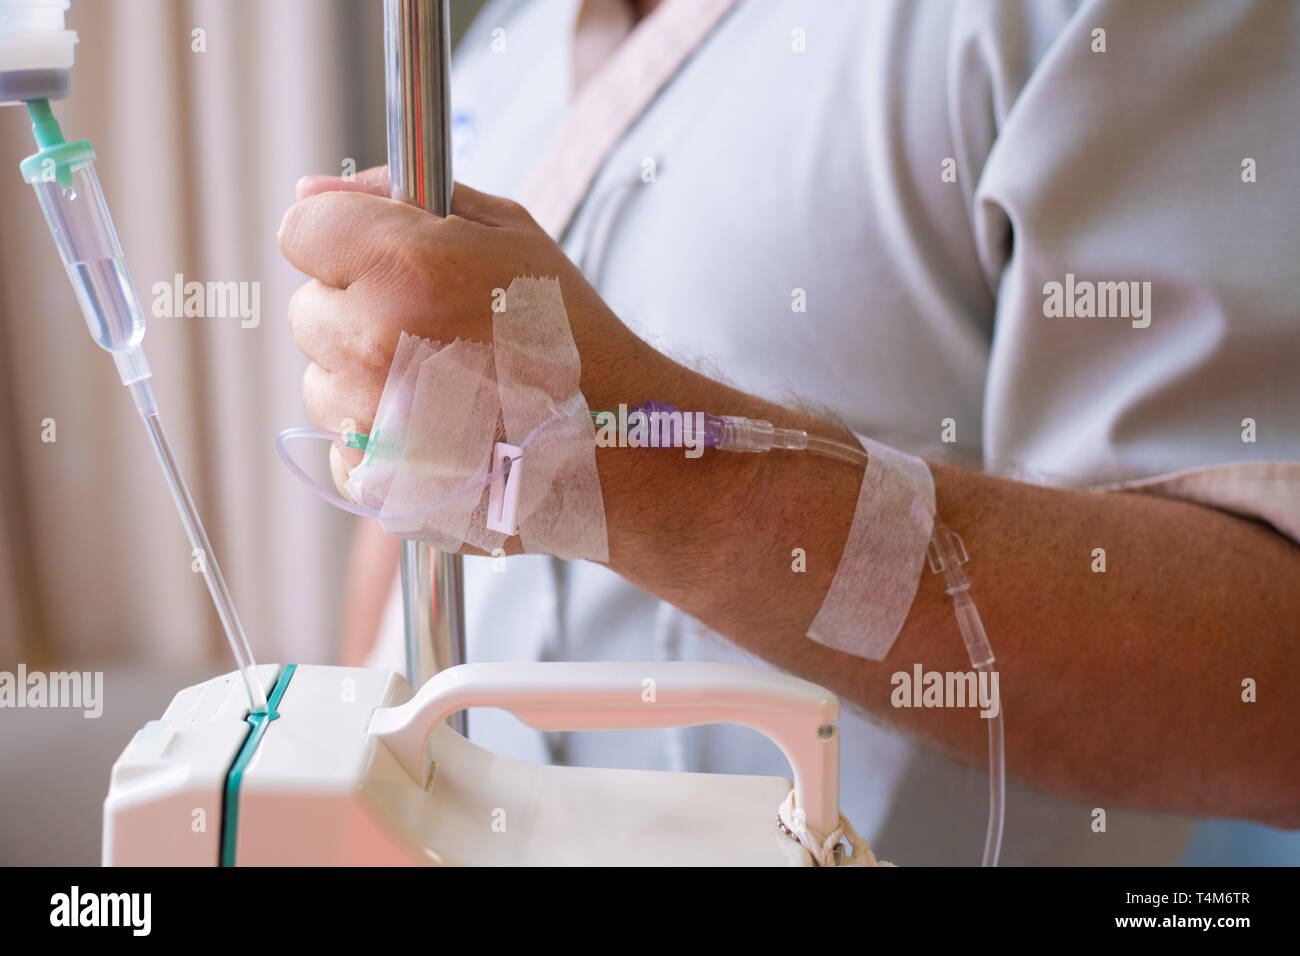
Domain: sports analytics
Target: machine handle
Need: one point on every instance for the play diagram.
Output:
(796, 715)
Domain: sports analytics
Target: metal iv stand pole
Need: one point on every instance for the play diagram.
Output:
(417, 79)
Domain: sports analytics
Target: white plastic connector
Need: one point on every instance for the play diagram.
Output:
(947, 555)
(132, 365)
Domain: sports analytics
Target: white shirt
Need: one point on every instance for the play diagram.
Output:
(919, 173)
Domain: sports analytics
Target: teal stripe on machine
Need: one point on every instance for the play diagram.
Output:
(259, 722)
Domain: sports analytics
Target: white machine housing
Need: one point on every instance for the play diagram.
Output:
(358, 770)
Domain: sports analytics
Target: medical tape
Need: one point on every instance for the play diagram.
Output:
(429, 465)
(880, 567)
(560, 509)
(368, 484)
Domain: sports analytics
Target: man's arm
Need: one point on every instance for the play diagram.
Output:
(1124, 685)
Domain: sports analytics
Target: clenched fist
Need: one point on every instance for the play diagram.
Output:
(381, 267)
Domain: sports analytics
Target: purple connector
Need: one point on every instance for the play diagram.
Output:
(675, 429)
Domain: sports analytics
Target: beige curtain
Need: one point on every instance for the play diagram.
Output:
(198, 155)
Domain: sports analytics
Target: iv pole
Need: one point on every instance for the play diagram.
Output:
(417, 79)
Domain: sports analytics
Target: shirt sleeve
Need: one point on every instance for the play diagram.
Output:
(1135, 215)
(1267, 491)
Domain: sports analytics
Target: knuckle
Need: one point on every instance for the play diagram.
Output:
(299, 310)
(315, 387)
(372, 350)
(286, 236)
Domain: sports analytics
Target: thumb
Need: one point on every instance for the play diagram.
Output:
(373, 180)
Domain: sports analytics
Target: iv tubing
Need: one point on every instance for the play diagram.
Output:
(142, 392)
(836, 449)
(947, 555)
(951, 554)
(63, 175)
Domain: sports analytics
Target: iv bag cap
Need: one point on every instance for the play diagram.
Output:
(36, 52)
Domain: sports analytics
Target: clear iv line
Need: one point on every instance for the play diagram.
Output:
(63, 175)
(212, 576)
(947, 555)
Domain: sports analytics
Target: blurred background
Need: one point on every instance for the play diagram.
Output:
(201, 138)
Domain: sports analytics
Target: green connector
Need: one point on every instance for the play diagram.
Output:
(55, 154)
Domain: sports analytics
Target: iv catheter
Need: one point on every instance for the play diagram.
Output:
(63, 175)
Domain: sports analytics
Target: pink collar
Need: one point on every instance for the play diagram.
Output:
(611, 101)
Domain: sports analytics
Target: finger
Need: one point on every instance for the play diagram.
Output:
(373, 180)
(338, 237)
(337, 403)
(334, 329)
(342, 460)
(314, 321)
(484, 207)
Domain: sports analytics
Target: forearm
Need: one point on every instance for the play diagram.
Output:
(1124, 685)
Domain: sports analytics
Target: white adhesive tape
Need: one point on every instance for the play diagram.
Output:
(442, 412)
(884, 555)
(560, 509)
